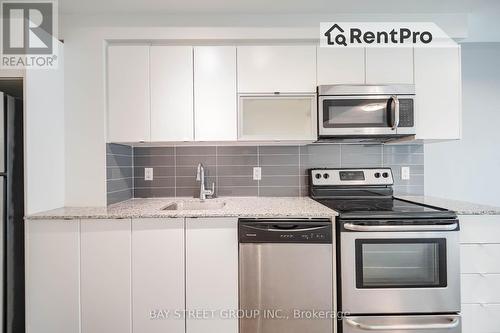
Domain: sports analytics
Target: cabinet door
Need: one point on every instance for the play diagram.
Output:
(158, 275)
(480, 318)
(389, 65)
(215, 93)
(479, 258)
(283, 117)
(341, 66)
(128, 93)
(479, 229)
(438, 93)
(105, 276)
(52, 276)
(171, 93)
(480, 288)
(267, 69)
(212, 272)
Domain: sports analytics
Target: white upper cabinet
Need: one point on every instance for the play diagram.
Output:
(268, 69)
(215, 93)
(438, 92)
(128, 93)
(171, 93)
(341, 65)
(389, 65)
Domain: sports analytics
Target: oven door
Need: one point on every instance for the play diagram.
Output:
(400, 269)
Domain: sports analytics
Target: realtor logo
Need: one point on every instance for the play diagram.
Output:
(29, 34)
(27, 27)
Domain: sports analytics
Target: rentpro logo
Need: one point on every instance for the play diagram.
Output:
(382, 34)
(336, 35)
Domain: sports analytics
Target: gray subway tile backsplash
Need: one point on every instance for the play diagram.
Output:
(281, 191)
(147, 151)
(248, 191)
(284, 168)
(119, 173)
(153, 192)
(236, 150)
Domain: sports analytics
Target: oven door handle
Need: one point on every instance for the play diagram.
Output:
(426, 227)
(453, 323)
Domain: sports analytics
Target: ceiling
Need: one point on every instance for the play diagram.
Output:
(264, 7)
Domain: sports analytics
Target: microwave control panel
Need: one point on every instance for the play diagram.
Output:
(406, 114)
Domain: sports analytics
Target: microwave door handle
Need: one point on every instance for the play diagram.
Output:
(452, 323)
(395, 122)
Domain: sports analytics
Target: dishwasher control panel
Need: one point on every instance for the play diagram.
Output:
(317, 231)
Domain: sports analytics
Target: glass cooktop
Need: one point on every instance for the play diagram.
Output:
(389, 207)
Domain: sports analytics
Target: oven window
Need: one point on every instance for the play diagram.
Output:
(401, 263)
(345, 113)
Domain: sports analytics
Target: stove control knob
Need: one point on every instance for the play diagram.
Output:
(326, 176)
(377, 174)
(318, 176)
(385, 175)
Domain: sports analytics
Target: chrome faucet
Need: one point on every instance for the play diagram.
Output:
(200, 176)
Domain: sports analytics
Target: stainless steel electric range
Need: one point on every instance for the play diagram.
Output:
(398, 261)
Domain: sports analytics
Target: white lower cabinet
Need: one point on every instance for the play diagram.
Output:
(158, 275)
(124, 276)
(105, 276)
(480, 258)
(52, 276)
(211, 273)
(481, 318)
(480, 267)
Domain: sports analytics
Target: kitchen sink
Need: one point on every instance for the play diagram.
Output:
(194, 205)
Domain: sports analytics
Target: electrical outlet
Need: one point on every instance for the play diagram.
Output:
(257, 173)
(405, 173)
(148, 173)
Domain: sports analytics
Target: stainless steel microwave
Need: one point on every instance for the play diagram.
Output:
(366, 111)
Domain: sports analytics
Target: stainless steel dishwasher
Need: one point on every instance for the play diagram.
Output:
(286, 276)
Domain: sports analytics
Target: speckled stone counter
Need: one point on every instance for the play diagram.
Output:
(460, 207)
(234, 207)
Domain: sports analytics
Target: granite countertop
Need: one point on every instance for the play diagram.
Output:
(235, 206)
(460, 207)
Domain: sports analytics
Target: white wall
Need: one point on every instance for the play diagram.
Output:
(469, 169)
(44, 137)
